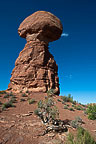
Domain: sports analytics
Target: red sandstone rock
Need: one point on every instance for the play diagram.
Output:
(35, 68)
(43, 25)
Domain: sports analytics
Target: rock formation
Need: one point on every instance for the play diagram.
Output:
(35, 68)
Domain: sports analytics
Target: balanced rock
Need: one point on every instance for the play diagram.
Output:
(35, 68)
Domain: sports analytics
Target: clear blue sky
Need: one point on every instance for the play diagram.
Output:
(75, 54)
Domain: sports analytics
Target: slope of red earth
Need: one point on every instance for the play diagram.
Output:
(19, 124)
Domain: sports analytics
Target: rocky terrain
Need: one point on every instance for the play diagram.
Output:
(19, 124)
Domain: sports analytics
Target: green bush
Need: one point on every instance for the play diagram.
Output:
(73, 105)
(78, 119)
(3, 92)
(31, 101)
(54, 112)
(68, 98)
(65, 107)
(27, 91)
(6, 96)
(40, 104)
(63, 102)
(59, 100)
(76, 123)
(83, 105)
(64, 98)
(74, 102)
(22, 100)
(0, 103)
(13, 99)
(37, 112)
(48, 102)
(51, 92)
(71, 109)
(91, 111)
(78, 107)
(7, 105)
(82, 137)
(10, 94)
(47, 110)
(24, 95)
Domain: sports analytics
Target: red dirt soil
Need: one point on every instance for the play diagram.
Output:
(19, 125)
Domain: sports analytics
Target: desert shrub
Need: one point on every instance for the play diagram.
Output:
(40, 104)
(3, 92)
(47, 110)
(10, 94)
(78, 119)
(70, 139)
(65, 107)
(76, 123)
(63, 102)
(22, 100)
(73, 105)
(7, 105)
(48, 102)
(37, 112)
(13, 99)
(31, 101)
(82, 137)
(64, 98)
(51, 92)
(83, 108)
(83, 105)
(54, 112)
(59, 100)
(78, 107)
(0, 103)
(68, 98)
(6, 96)
(27, 91)
(91, 111)
(80, 103)
(24, 95)
(71, 109)
(74, 102)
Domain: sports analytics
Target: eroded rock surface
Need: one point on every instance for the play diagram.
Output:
(35, 68)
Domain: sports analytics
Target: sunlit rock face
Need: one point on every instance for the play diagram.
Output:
(35, 68)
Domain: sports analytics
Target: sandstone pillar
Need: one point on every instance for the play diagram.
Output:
(35, 68)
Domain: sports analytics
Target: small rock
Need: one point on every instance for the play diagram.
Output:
(26, 114)
(51, 134)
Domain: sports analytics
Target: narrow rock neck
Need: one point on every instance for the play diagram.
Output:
(37, 38)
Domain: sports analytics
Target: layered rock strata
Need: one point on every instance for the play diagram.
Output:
(35, 68)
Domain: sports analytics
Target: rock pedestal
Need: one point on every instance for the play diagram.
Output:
(35, 68)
